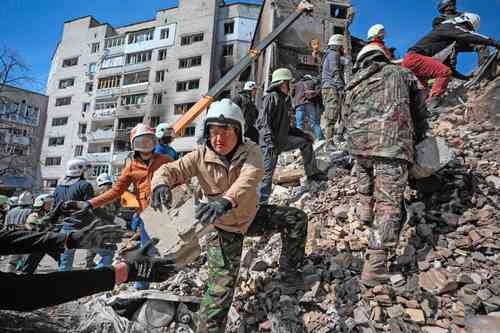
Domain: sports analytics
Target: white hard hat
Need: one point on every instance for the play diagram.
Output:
(42, 199)
(369, 50)
(225, 112)
(473, 19)
(76, 167)
(163, 130)
(26, 199)
(336, 40)
(282, 74)
(249, 86)
(374, 31)
(143, 138)
(13, 201)
(104, 179)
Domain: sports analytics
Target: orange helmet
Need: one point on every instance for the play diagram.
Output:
(143, 138)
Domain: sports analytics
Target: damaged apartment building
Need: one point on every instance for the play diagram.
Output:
(104, 79)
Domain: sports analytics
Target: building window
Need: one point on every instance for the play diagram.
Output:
(61, 121)
(155, 121)
(162, 54)
(114, 42)
(139, 57)
(228, 28)
(98, 169)
(188, 131)
(78, 150)
(157, 98)
(188, 85)
(56, 141)
(164, 33)
(50, 183)
(133, 99)
(89, 87)
(105, 105)
(110, 62)
(190, 39)
(92, 67)
(182, 108)
(227, 50)
(160, 76)
(66, 83)
(190, 62)
(85, 107)
(63, 101)
(94, 48)
(109, 82)
(82, 129)
(70, 62)
(140, 36)
(137, 77)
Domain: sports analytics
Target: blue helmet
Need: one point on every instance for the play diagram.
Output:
(443, 4)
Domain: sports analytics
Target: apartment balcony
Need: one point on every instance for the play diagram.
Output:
(134, 88)
(99, 157)
(136, 110)
(100, 135)
(106, 114)
(120, 157)
(106, 93)
(21, 140)
(137, 67)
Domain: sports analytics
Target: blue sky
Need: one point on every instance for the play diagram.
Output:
(33, 27)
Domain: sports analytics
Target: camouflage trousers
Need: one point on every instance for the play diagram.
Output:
(224, 255)
(332, 104)
(384, 180)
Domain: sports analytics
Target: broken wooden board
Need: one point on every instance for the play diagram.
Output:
(288, 176)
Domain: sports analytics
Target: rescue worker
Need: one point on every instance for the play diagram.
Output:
(385, 117)
(137, 172)
(15, 220)
(276, 135)
(332, 84)
(229, 168)
(104, 183)
(447, 10)
(39, 220)
(429, 58)
(376, 35)
(165, 135)
(73, 187)
(245, 99)
(13, 202)
(306, 100)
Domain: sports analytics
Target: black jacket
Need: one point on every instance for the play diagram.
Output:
(443, 17)
(444, 35)
(30, 292)
(244, 100)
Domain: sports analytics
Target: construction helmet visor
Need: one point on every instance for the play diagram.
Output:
(144, 143)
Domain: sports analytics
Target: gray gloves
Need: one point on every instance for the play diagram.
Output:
(95, 237)
(161, 197)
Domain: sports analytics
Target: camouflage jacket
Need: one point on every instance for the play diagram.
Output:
(384, 112)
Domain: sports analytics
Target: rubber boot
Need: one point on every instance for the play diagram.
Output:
(365, 210)
(375, 270)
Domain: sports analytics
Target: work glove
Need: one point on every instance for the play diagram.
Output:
(95, 237)
(142, 267)
(209, 212)
(161, 198)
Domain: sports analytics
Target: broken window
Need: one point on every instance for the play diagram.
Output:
(190, 39)
(182, 108)
(162, 54)
(133, 99)
(227, 50)
(61, 121)
(94, 48)
(139, 57)
(157, 98)
(137, 77)
(109, 82)
(188, 85)
(190, 62)
(56, 141)
(140, 36)
(70, 62)
(164, 33)
(63, 101)
(66, 83)
(337, 11)
(160, 76)
(114, 42)
(228, 27)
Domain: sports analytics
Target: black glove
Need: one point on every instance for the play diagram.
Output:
(161, 198)
(95, 237)
(209, 212)
(142, 267)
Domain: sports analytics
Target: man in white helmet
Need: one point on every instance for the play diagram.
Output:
(432, 57)
(73, 187)
(277, 135)
(376, 35)
(447, 10)
(245, 99)
(15, 220)
(229, 168)
(39, 220)
(332, 85)
(165, 135)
